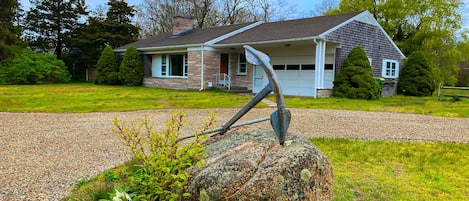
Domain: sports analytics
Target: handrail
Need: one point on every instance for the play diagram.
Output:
(227, 77)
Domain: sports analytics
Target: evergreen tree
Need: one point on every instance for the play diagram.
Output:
(416, 76)
(10, 43)
(131, 69)
(49, 23)
(108, 71)
(118, 29)
(356, 80)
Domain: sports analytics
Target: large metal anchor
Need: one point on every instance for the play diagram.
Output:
(279, 119)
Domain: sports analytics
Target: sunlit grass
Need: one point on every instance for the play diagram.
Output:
(381, 170)
(85, 97)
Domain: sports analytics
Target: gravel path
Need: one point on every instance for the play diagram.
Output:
(42, 155)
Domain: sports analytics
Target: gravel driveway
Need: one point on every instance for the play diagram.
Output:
(42, 155)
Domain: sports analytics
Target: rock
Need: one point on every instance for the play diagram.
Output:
(252, 165)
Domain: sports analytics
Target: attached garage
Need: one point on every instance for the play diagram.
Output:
(295, 79)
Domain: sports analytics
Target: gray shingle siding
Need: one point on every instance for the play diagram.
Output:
(373, 41)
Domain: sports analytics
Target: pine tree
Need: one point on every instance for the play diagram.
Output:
(356, 80)
(131, 68)
(416, 76)
(49, 23)
(108, 71)
(10, 43)
(117, 25)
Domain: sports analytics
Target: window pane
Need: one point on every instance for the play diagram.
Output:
(307, 67)
(242, 68)
(176, 65)
(242, 58)
(279, 67)
(293, 67)
(328, 66)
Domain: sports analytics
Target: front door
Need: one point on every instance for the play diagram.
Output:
(223, 79)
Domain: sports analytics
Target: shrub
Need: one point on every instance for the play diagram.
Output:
(416, 77)
(107, 69)
(356, 80)
(131, 69)
(31, 68)
(164, 160)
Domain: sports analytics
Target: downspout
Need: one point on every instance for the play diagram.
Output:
(202, 71)
(315, 71)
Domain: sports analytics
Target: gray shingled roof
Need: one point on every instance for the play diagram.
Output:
(290, 29)
(198, 36)
(270, 31)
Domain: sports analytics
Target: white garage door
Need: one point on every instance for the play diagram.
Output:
(292, 82)
(296, 82)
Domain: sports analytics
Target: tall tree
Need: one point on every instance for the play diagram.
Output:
(118, 24)
(9, 32)
(418, 25)
(155, 15)
(49, 23)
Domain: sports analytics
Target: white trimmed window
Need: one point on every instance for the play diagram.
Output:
(243, 66)
(174, 65)
(390, 68)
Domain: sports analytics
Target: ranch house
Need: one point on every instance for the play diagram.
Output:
(305, 53)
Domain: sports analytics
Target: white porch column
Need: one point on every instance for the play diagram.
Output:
(319, 64)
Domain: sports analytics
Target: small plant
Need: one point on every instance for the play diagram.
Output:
(82, 182)
(109, 175)
(164, 160)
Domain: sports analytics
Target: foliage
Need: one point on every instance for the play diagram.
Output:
(429, 26)
(209, 13)
(131, 68)
(31, 68)
(385, 170)
(164, 160)
(356, 80)
(10, 41)
(107, 69)
(50, 22)
(416, 77)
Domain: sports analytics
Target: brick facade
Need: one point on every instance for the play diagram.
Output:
(373, 41)
(240, 80)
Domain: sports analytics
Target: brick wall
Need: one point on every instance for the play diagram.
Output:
(375, 44)
(240, 80)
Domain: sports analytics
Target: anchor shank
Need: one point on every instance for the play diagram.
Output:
(253, 102)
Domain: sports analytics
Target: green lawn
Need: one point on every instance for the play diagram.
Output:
(87, 97)
(381, 170)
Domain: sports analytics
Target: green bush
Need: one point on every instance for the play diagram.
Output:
(31, 68)
(107, 69)
(416, 77)
(356, 80)
(164, 160)
(131, 69)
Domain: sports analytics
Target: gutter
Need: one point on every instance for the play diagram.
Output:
(202, 63)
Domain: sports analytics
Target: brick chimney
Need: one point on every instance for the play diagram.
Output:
(182, 24)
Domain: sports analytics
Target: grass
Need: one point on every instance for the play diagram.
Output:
(87, 97)
(382, 170)
(447, 107)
